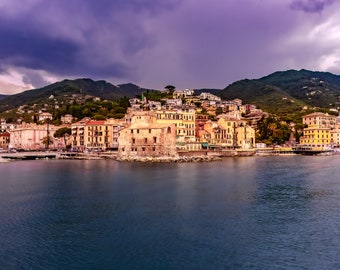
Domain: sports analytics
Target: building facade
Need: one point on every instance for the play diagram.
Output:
(4, 140)
(143, 137)
(31, 137)
(320, 130)
(88, 134)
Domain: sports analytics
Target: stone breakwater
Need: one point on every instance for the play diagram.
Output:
(198, 156)
(181, 159)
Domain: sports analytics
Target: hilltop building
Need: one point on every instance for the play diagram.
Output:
(67, 119)
(183, 93)
(209, 96)
(45, 116)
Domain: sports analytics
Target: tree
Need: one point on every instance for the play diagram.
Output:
(63, 133)
(170, 88)
(272, 131)
(219, 110)
(47, 141)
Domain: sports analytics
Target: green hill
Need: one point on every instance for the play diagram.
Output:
(285, 93)
(65, 89)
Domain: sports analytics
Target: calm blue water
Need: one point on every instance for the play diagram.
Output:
(241, 213)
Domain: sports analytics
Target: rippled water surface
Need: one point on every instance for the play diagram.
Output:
(241, 213)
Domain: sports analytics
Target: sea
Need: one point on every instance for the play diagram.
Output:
(279, 212)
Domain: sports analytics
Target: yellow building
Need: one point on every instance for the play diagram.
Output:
(228, 132)
(184, 120)
(317, 137)
(237, 131)
(96, 135)
(78, 135)
(319, 131)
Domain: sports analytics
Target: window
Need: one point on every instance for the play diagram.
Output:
(133, 141)
(155, 139)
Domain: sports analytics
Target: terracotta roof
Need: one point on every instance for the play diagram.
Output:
(95, 122)
(4, 134)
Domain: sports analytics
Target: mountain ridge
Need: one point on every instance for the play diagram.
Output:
(288, 93)
(284, 93)
(66, 88)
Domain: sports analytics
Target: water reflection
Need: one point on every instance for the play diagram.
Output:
(240, 213)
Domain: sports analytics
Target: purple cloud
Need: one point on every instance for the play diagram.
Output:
(187, 43)
(76, 38)
(311, 6)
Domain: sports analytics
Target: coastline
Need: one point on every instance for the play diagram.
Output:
(183, 156)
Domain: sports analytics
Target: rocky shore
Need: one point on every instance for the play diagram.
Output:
(181, 159)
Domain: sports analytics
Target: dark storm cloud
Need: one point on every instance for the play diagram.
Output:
(74, 37)
(188, 43)
(311, 6)
(28, 48)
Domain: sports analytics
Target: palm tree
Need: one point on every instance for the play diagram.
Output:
(47, 141)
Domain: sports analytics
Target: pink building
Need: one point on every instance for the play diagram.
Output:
(30, 137)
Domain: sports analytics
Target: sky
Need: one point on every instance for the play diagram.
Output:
(154, 43)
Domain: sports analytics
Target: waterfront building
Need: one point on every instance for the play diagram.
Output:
(184, 121)
(335, 136)
(30, 137)
(88, 134)
(319, 120)
(95, 135)
(316, 136)
(77, 134)
(114, 127)
(4, 140)
(320, 130)
(144, 137)
(237, 132)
